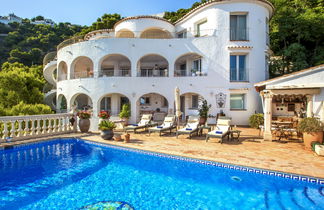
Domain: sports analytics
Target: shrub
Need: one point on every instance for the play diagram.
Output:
(126, 112)
(204, 109)
(29, 109)
(106, 125)
(310, 124)
(256, 120)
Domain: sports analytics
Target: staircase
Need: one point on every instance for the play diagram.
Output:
(295, 198)
(50, 65)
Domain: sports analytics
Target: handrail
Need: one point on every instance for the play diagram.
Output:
(14, 128)
(70, 41)
(49, 57)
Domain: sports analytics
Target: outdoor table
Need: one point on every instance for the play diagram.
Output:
(202, 127)
(234, 135)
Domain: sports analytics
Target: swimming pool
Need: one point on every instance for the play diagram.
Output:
(73, 173)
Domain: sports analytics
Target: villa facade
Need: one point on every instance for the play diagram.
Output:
(218, 51)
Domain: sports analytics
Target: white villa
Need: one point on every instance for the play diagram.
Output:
(218, 51)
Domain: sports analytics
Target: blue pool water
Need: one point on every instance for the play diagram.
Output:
(71, 174)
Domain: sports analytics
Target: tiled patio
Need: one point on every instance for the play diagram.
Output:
(251, 151)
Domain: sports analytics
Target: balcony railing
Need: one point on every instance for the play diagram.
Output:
(14, 128)
(83, 74)
(70, 41)
(49, 57)
(153, 73)
(186, 73)
(115, 73)
(239, 34)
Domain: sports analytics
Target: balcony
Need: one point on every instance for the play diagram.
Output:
(186, 73)
(83, 74)
(115, 73)
(153, 73)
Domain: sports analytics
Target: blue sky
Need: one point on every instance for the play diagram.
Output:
(85, 12)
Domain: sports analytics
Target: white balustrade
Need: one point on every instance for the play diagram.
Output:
(14, 128)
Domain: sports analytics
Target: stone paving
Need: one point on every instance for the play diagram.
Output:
(286, 156)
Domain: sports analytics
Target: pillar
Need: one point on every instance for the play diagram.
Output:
(323, 111)
(267, 116)
(309, 111)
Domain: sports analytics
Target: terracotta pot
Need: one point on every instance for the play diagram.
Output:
(107, 134)
(312, 136)
(84, 125)
(202, 120)
(127, 138)
(125, 123)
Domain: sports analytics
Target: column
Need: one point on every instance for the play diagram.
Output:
(133, 101)
(322, 115)
(267, 135)
(309, 111)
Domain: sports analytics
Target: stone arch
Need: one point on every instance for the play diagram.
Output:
(153, 65)
(115, 65)
(81, 67)
(155, 33)
(112, 102)
(125, 33)
(62, 71)
(188, 64)
(154, 103)
(61, 104)
(82, 101)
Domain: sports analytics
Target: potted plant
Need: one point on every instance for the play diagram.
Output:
(312, 129)
(125, 113)
(103, 115)
(203, 110)
(193, 72)
(84, 122)
(106, 127)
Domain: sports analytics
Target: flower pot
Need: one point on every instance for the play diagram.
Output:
(107, 134)
(310, 137)
(202, 120)
(84, 125)
(127, 138)
(125, 122)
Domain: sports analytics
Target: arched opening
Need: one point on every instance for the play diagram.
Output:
(188, 65)
(153, 66)
(113, 103)
(62, 71)
(82, 102)
(115, 65)
(155, 33)
(189, 103)
(153, 103)
(61, 104)
(82, 67)
(125, 33)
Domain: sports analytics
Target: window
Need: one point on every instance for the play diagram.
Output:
(201, 28)
(238, 68)
(194, 101)
(238, 29)
(145, 101)
(196, 65)
(182, 34)
(237, 101)
(105, 104)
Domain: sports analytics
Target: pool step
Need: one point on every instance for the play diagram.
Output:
(304, 198)
(57, 179)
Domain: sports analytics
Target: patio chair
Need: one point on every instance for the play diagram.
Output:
(222, 130)
(168, 124)
(145, 122)
(191, 127)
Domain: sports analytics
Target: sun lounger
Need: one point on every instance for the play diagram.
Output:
(168, 124)
(145, 122)
(221, 131)
(191, 127)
